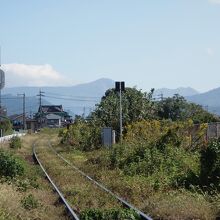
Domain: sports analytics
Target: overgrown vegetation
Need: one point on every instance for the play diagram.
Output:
(10, 166)
(210, 165)
(15, 142)
(82, 135)
(165, 165)
(5, 126)
(23, 186)
(177, 108)
(30, 202)
(161, 146)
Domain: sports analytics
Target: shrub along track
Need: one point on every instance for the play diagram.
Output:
(81, 191)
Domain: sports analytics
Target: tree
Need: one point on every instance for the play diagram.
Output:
(136, 106)
(177, 108)
(5, 126)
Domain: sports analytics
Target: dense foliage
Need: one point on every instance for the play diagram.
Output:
(15, 142)
(177, 108)
(136, 106)
(210, 165)
(150, 131)
(10, 166)
(163, 151)
(164, 144)
(82, 135)
(5, 126)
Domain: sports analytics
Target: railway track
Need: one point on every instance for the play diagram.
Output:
(45, 154)
(71, 212)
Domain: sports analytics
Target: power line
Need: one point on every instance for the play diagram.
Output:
(72, 99)
(88, 97)
(11, 97)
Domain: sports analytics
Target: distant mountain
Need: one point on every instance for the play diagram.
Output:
(183, 91)
(76, 99)
(95, 88)
(82, 98)
(209, 100)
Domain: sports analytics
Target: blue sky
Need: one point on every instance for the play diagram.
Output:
(148, 43)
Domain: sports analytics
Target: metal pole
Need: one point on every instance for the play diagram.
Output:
(40, 107)
(24, 118)
(1, 100)
(40, 110)
(120, 114)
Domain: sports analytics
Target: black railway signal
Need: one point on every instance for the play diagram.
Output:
(119, 86)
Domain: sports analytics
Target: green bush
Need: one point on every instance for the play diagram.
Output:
(116, 214)
(82, 135)
(6, 126)
(15, 142)
(10, 166)
(210, 164)
(29, 202)
(165, 163)
(171, 167)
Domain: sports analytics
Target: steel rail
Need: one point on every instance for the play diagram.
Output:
(73, 215)
(125, 203)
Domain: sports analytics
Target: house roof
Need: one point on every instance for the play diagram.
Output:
(51, 108)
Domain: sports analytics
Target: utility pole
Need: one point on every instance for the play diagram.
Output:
(120, 116)
(24, 118)
(2, 82)
(41, 94)
(120, 87)
(84, 112)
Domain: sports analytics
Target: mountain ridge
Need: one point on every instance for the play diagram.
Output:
(183, 91)
(91, 93)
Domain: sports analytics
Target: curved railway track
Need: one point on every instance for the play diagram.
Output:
(74, 214)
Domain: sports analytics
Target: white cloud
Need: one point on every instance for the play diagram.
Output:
(210, 51)
(215, 1)
(33, 75)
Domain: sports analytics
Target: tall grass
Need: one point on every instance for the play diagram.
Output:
(32, 182)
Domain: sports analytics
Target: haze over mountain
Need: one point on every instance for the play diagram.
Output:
(210, 100)
(183, 91)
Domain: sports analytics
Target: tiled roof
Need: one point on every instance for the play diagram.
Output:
(51, 108)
